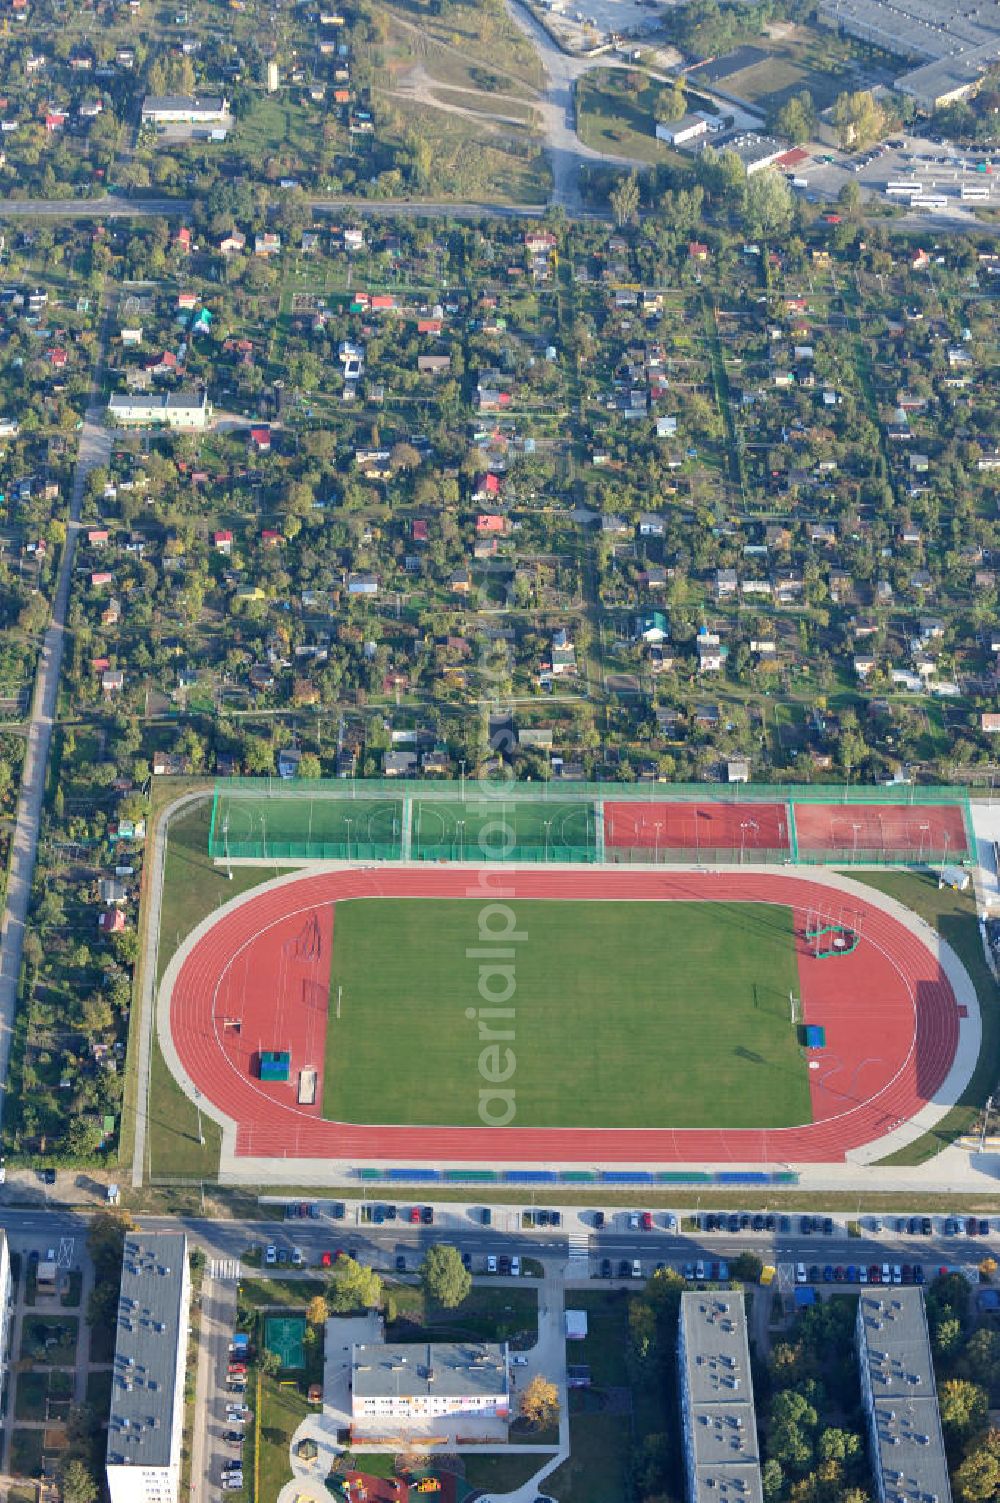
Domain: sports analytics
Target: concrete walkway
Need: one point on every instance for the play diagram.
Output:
(94, 449)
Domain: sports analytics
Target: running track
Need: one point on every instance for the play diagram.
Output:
(890, 1016)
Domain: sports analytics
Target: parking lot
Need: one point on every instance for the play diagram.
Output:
(939, 169)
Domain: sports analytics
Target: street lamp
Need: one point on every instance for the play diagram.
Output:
(348, 824)
(855, 828)
(462, 779)
(656, 842)
(548, 827)
(197, 1107)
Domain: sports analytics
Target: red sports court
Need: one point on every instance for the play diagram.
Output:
(679, 825)
(917, 831)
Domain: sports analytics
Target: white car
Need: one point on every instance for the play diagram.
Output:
(801, 1276)
(519, 1361)
(636, 1268)
(515, 1267)
(271, 1256)
(491, 1263)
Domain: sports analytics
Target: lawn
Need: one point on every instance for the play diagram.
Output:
(624, 1014)
(50, 1339)
(485, 1315)
(32, 1391)
(26, 1453)
(282, 1410)
(620, 121)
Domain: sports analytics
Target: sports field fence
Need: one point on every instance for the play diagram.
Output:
(272, 821)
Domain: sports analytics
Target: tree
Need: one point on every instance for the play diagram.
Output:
(354, 1286)
(445, 1278)
(769, 205)
(978, 1478)
(773, 1479)
(641, 1329)
(964, 1407)
(106, 1241)
(671, 104)
(849, 199)
(797, 117)
(624, 200)
(747, 1268)
(270, 1363)
(540, 1403)
(988, 1268)
(78, 1485)
(859, 119)
(310, 765)
(317, 1311)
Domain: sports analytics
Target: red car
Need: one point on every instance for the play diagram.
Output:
(326, 1261)
(414, 1215)
(647, 1221)
(236, 1369)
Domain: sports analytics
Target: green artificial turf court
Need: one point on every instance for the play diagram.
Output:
(264, 827)
(626, 1014)
(494, 829)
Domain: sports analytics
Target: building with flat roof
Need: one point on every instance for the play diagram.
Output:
(721, 1454)
(754, 150)
(170, 409)
(147, 1387)
(900, 1400)
(677, 132)
(184, 109)
(397, 1387)
(952, 43)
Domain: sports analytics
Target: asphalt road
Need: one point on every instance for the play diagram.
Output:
(379, 1245)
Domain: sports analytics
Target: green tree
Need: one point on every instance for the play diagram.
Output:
(310, 766)
(641, 1329)
(445, 1278)
(270, 1363)
(624, 200)
(769, 205)
(78, 1484)
(964, 1408)
(317, 1311)
(746, 1268)
(978, 1478)
(354, 1286)
(671, 104)
(859, 118)
(797, 117)
(849, 199)
(773, 1479)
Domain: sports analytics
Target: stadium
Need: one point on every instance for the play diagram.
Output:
(543, 982)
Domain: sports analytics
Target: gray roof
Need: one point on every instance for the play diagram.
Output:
(159, 401)
(150, 1325)
(717, 1393)
(445, 1370)
(895, 1347)
(191, 104)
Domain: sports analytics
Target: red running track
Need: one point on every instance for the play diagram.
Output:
(687, 826)
(896, 829)
(889, 1012)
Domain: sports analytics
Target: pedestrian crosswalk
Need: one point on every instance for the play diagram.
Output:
(226, 1270)
(579, 1247)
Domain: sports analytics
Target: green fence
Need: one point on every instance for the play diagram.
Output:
(274, 821)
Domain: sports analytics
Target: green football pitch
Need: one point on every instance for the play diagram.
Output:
(625, 1014)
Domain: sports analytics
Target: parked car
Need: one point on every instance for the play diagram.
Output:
(605, 1268)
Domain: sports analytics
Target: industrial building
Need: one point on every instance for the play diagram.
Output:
(721, 1453)
(147, 1387)
(952, 43)
(900, 1400)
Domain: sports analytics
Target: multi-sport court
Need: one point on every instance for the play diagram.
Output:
(651, 1005)
(587, 824)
